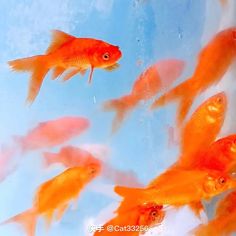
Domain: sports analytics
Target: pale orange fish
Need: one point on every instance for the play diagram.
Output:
(177, 188)
(54, 196)
(67, 53)
(224, 223)
(69, 156)
(202, 128)
(154, 79)
(139, 219)
(213, 62)
(53, 132)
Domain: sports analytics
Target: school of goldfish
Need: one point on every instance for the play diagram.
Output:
(206, 164)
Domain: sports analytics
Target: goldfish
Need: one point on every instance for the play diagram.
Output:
(213, 62)
(53, 132)
(177, 188)
(69, 156)
(55, 196)
(224, 221)
(203, 127)
(136, 221)
(69, 54)
(154, 79)
(220, 156)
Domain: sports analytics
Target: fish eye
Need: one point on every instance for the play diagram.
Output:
(219, 100)
(106, 56)
(154, 214)
(221, 180)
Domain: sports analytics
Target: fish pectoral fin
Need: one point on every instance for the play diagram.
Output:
(58, 39)
(90, 75)
(112, 67)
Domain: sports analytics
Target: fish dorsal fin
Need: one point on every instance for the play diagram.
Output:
(58, 39)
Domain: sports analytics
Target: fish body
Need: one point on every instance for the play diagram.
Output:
(220, 156)
(68, 54)
(53, 132)
(177, 188)
(213, 62)
(70, 156)
(203, 127)
(155, 78)
(55, 196)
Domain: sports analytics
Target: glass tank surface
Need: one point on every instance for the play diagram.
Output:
(117, 117)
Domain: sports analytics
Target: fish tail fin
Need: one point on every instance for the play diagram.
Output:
(38, 65)
(20, 142)
(27, 219)
(182, 92)
(48, 159)
(121, 107)
(132, 197)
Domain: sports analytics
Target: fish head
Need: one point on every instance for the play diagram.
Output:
(94, 168)
(216, 107)
(106, 56)
(150, 214)
(218, 182)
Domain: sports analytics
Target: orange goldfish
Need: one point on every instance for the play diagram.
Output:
(70, 54)
(221, 156)
(203, 127)
(154, 79)
(224, 221)
(53, 132)
(213, 62)
(70, 157)
(136, 220)
(55, 196)
(179, 187)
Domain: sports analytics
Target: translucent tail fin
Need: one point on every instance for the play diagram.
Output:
(39, 68)
(27, 219)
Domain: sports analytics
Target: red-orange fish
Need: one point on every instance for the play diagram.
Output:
(213, 62)
(220, 155)
(203, 127)
(67, 53)
(154, 79)
(55, 196)
(134, 221)
(177, 188)
(53, 132)
(224, 222)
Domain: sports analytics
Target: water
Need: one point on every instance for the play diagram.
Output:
(146, 31)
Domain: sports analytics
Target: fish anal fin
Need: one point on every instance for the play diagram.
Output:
(57, 71)
(58, 39)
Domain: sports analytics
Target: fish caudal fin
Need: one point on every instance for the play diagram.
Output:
(132, 197)
(48, 159)
(39, 68)
(27, 219)
(182, 92)
(20, 142)
(121, 106)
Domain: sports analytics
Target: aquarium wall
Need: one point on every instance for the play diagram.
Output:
(117, 117)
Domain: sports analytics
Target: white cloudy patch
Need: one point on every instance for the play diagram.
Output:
(103, 6)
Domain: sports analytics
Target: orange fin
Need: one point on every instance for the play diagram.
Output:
(91, 75)
(196, 207)
(38, 66)
(71, 74)
(58, 39)
(57, 71)
(27, 219)
(183, 92)
(121, 106)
